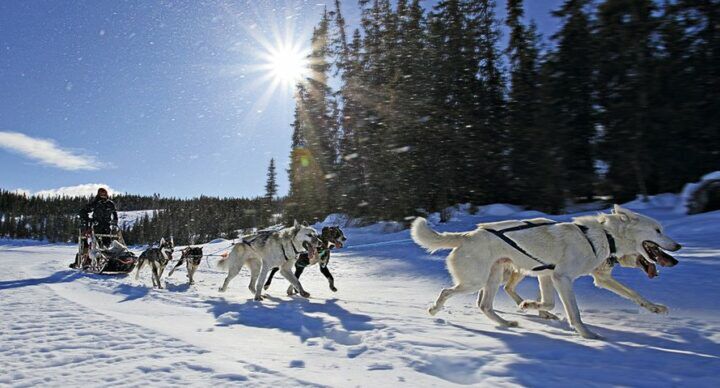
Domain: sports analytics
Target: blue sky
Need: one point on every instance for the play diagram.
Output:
(152, 97)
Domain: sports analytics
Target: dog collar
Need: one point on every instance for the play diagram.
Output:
(611, 243)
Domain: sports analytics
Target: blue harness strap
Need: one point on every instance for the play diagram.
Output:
(528, 225)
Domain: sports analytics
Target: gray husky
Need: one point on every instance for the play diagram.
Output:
(268, 250)
(158, 258)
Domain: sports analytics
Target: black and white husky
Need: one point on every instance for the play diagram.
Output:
(268, 250)
(158, 258)
(330, 237)
(192, 256)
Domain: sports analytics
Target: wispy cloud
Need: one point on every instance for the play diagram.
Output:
(46, 152)
(84, 190)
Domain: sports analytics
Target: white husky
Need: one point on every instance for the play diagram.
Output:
(278, 249)
(602, 275)
(479, 258)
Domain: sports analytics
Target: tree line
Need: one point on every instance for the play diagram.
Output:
(430, 111)
(188, 221)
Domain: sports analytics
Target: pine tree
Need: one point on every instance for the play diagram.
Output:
(377, 141)
(530, 155)
(271, 188)
(308, 191)
(568, 100)
(625, 37)
(685, 99)
(408, 108)
(489, 118)
(351, 165)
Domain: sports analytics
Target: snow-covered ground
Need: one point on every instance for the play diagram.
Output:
(62, 328)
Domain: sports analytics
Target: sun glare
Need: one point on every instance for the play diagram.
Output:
(286, 64)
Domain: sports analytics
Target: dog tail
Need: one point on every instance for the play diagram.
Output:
(432, 240)
(223, 263)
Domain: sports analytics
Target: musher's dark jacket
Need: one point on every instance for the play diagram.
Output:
(104, 213)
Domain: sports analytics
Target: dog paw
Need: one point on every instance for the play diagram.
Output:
(590, 335)
(221, 289)
(657, 309)
(333, 289)
(548, 315)
(265, 287)
(512, 324)
(258, 298)
(432, 310)
(528, 304)
(304, 294)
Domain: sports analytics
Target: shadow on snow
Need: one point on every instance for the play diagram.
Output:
(293, 317)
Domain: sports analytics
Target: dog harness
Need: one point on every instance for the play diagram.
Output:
(192, 253)
(293, 247)
(612, 259)
(323, 254)
(528, 225)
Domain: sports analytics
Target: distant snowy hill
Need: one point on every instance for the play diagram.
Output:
(127, 219)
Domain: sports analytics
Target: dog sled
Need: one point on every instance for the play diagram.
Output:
(104, 253)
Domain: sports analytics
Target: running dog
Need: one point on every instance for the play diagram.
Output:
(158, 258)
(330, 237)
(602, 275)
(192, 256)
(268, 250)
(565, 250)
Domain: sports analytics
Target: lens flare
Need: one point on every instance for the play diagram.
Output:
(288, 65)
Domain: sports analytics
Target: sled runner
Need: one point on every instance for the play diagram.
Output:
(103, 253)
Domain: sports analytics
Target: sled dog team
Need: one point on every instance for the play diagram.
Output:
(481, 260)
(264, 253)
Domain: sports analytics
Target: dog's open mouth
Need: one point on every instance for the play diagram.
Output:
(656, 254)
(647, 266)
(338, 244)
(311, 250)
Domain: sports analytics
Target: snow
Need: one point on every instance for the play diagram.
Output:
(60, 327)
(663, 201)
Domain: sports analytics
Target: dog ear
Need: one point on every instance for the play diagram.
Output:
(625, 214)
(162, 241)
(296, 225)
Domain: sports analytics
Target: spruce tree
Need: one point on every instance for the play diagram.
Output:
(351, 160)
(308, 191)
(530, 151)
(568, 100)
(625, 30)
(489, 112)
(271, 188)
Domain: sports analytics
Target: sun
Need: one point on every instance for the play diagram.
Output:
(287, 64)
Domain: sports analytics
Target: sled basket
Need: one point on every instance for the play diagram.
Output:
(103, 253)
